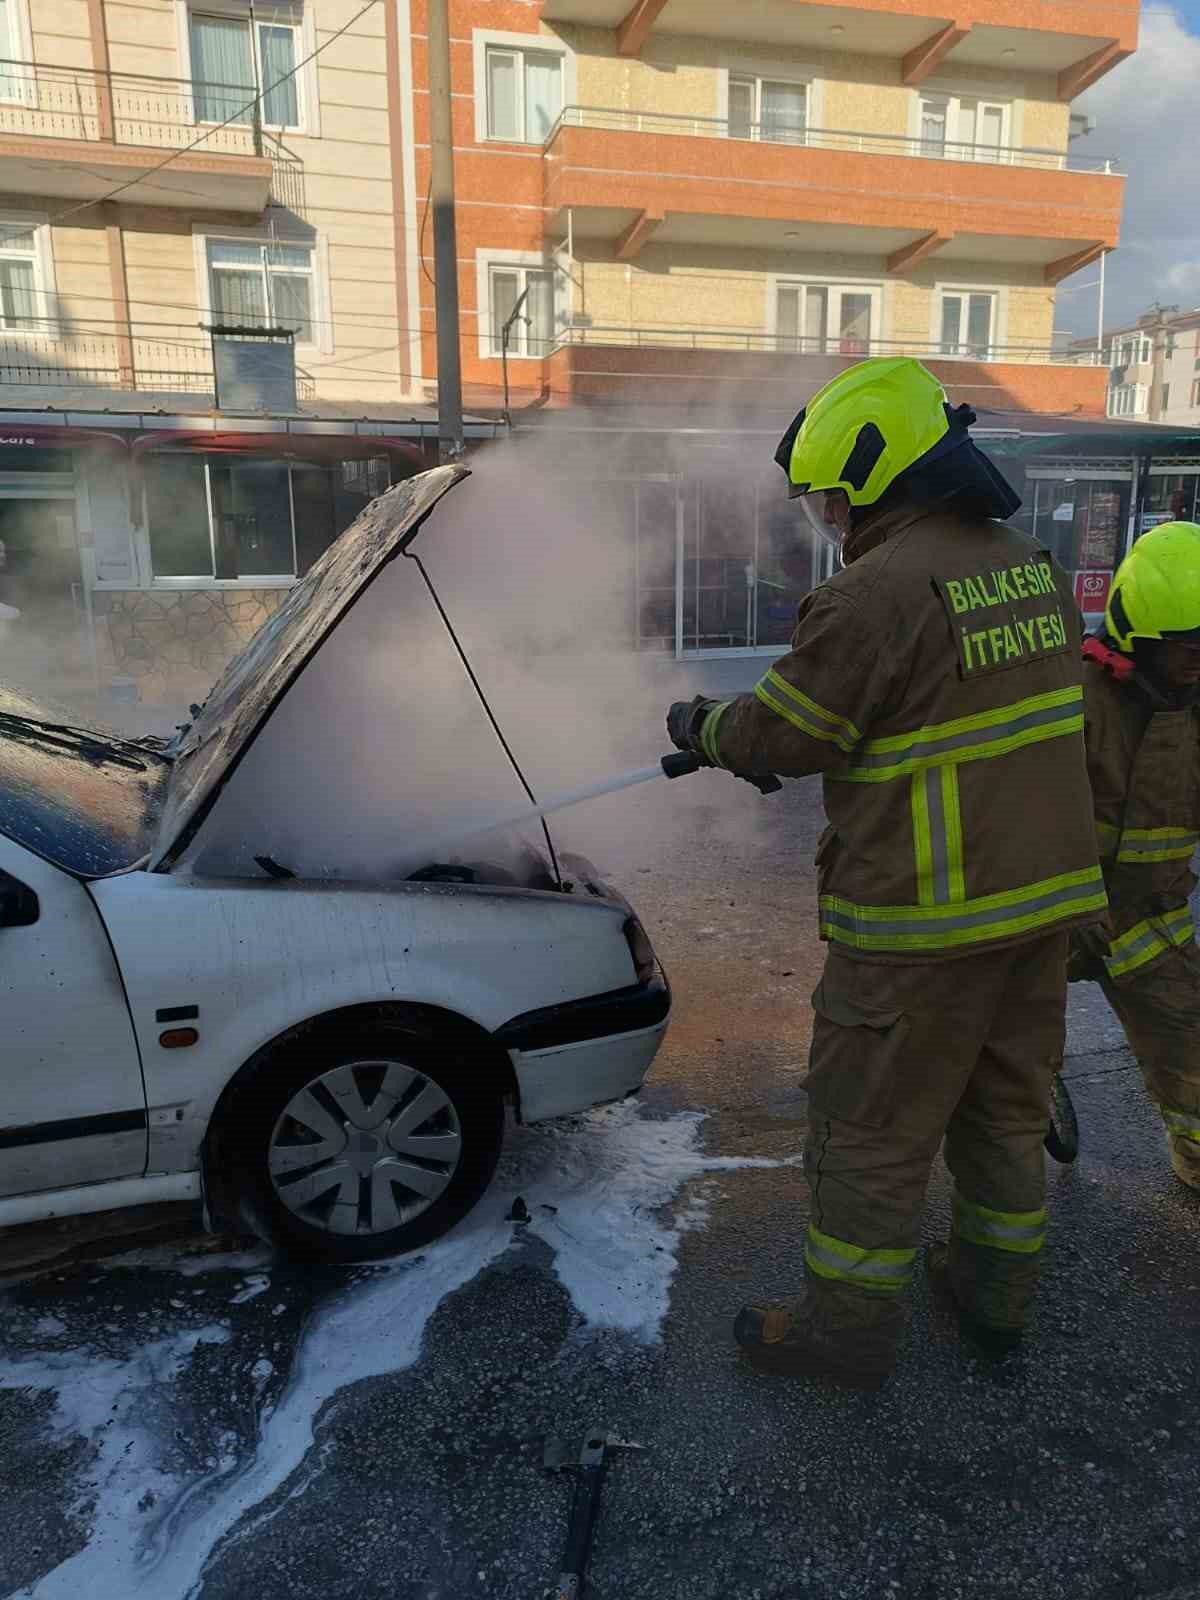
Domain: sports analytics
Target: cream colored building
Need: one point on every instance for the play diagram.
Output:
(692, 197)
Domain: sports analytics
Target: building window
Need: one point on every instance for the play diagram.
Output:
(20, 289)
(532, 334)
(968, 321)
(234, 58)
(762, 108)
(524, 93)
(963, 128)
(1196, 392)
(262, 284)
(222, 517)
(1166, 395)
(825, 319)
(1127, 400)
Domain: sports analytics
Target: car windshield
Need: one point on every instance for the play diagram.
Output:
(83, 799)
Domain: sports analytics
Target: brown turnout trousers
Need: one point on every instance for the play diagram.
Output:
(904, 1056)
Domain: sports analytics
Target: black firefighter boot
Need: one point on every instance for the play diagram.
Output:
(842, 1336)
(985, 1292)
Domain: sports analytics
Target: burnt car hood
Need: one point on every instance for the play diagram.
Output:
(83, 798)
(256, 682)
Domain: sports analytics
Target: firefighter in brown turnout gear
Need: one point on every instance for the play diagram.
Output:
(1142, 704)
(934, 682)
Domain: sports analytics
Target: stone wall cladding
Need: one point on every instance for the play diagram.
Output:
(175, 642)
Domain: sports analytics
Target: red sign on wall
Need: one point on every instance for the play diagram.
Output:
(1091, 590)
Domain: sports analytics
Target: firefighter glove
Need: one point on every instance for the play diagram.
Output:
(685, 721)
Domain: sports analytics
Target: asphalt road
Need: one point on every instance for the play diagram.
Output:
(1073, 1471)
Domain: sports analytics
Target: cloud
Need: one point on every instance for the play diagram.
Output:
(1146, 115)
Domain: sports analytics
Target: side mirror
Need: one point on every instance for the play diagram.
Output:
(18, 904)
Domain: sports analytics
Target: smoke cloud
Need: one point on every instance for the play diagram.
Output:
(382, 745)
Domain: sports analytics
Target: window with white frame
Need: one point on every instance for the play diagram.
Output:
(256, 283)
(21, 288)
(968, 323)
(236, 57)
(1127, 400)
(963, 128)
(250, 517)
(1132, 349)
(765, 108)
(532, 329)
(826, 318)
(17, 83)
(524, 92)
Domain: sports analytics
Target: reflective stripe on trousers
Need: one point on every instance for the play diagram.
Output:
(1137, 845)
(1183, 1124)
(879, 1271)
(1020, 1232)
(1149, 939)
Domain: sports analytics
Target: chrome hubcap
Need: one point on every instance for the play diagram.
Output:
(365, 1148)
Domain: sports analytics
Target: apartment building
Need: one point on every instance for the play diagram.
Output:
(670, 205)
(167, 166)
(713, 208)
(1154, 367)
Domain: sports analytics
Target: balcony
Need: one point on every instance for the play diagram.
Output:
(607, 364)
(76, 134)
(1079, 40)
(628, 176)
(173, 362)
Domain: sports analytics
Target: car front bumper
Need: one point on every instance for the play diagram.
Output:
(583, 1053)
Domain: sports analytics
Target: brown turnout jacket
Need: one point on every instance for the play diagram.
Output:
(935, 684)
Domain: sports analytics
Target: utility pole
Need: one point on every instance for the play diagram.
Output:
(445, 235)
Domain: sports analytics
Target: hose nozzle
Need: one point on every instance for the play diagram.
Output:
(680, 762)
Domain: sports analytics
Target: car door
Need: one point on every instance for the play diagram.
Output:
(72, 1102)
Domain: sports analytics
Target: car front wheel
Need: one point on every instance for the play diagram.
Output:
(363, 1142)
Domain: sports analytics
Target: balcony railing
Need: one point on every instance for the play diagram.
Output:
(850, 346)
(124, 108)
(174, 365)
(776, 133)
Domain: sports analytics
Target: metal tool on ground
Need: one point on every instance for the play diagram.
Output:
(588, 1462)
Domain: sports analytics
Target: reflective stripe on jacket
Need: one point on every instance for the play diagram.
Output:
(935, 684)
(1144, 766)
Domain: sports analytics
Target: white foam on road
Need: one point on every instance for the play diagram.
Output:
(595, 1189)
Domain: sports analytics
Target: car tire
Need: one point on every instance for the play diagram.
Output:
(361, 1141)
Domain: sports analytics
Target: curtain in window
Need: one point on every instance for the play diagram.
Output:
(979, 324)
(539, 308)
(277, 57)
(18, 302)
(784, 110)
(787, 318)
(543, 95)
(291, 303)
(236, 277)
(816, 318)
(502, 95)
(741, 108)
(506, 289)
(12, 85)
(933, 127)
(951, 323)
(222, 69)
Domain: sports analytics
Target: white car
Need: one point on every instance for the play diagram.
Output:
(326, 1059)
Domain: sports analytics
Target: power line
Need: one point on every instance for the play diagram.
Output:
(234, 116)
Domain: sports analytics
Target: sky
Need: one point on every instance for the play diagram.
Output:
(1148, 116)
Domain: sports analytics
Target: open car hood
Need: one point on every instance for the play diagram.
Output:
(255, 682)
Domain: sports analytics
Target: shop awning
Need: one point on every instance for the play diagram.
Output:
(282, 445)
(43, 435)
